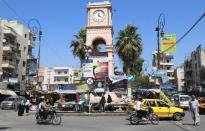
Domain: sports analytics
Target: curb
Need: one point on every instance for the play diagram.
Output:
(63, 113)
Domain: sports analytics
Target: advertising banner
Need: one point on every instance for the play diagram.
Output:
(88, 70)
(168, 43)
(118, 84)
(31, 67)
(96, 67)
(119, 87)
(159, 73)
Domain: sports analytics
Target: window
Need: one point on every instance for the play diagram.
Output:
(65, 72)
(151, 103)
(24, 48)
(162, 104)
(66, 79)
(23, 77)
(59, 72)
(24, 63)
(25, 35)
(168, 61)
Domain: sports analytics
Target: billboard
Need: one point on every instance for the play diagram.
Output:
(31, 68)
(168, 43)
(96, 67)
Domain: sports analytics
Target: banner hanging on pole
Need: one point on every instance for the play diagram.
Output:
(168, 43)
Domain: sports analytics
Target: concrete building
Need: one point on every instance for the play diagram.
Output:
(194, 68)
(179, 78)
(16, 43)
(55, 76)
(166, 64)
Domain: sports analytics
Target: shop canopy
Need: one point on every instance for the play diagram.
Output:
(168, 88)
(7, 92)
(67, 89)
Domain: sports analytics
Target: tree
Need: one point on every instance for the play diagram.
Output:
(143, 81)
(79, 44)
(129, 48)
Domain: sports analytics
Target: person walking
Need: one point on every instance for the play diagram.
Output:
(102, 103)
(27, 105)
(77, 100)
(194, 108)
(21, 108)
(109, 101)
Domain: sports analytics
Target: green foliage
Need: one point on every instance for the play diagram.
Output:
(143, 81)
(129, 48)
(79, 44)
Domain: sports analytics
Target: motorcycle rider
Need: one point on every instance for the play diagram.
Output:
(43, 108)
(139, 108)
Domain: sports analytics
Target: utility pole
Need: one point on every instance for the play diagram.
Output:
(37, 31)
(160, 33)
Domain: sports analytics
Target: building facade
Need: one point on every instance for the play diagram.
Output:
(165, 64)
(16, 42)
(55, 76)
(179, 78)
(194, 68)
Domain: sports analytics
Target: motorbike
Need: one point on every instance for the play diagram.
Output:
(52, 118)
(148, 115)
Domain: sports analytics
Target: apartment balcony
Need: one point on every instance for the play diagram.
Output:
(171, 78)
(8, 47)
(166, 64)
(61, 82)
(170, 71)
(10, 32)
(31, 43)
(8, 64)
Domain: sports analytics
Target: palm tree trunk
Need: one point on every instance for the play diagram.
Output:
(128, 83)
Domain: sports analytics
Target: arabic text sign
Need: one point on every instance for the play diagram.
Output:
(168, 43)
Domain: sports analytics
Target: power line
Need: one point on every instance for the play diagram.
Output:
(21, 18)
(201, 17)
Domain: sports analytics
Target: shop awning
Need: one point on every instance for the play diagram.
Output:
(7, 92)
(81, 88)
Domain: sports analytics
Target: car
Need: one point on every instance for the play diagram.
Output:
(11, 102)
(182, 100)
(202, 105)
(163, 109)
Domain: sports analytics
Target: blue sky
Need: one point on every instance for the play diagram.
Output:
(61, 19)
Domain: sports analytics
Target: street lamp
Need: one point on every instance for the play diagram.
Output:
(35, 26)
(160, 33)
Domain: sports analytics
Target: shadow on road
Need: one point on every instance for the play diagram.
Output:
(3, 128)
(187, 124)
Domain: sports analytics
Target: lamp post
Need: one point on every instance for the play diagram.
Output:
(35, 26)
(160, 32)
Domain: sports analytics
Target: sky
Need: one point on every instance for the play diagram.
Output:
(61, 19)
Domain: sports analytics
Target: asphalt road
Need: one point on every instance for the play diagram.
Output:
(9, 121)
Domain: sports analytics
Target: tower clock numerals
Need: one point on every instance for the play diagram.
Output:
(98, 15)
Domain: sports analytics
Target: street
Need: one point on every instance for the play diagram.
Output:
(9, 121)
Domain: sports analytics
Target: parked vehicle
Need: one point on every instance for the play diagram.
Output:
(182, 101)
(164, 110)
(202, 105)
(52, 118)
(136, 118)
(12, 102)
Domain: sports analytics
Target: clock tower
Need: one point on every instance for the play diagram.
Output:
(99, 29)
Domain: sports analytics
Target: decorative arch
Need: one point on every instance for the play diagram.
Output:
(99, 45)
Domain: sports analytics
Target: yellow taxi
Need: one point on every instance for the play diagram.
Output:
(164, 110)
(202, 105)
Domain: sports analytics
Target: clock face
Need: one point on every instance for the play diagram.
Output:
(98, 15)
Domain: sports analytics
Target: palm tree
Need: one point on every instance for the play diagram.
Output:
(129, 48)
(79, 45)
